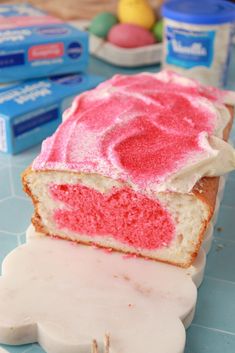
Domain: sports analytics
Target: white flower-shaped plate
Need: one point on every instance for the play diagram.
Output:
(67, 297)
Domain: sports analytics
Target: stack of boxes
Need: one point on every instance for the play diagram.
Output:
(51, 57)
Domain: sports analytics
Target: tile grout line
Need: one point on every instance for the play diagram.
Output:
(217, 237)
(5, 199)
(25, 198)
(28, 349)
(11, 233)
(230, 206)
(226, 205)
(213, 329)
(19, 240)
(219, 279)
(20, 164)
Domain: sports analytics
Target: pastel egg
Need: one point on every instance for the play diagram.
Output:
(158, 30)
(101, 24)
(137, 12)
(130, 36)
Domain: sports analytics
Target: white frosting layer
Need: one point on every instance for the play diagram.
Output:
(157, 132)
(219, 159)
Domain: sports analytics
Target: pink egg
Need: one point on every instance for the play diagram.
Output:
(130, 36)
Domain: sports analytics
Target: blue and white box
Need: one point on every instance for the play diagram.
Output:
(34, 44)
(32, 110)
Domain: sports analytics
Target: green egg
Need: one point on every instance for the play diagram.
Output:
(102, 23)
(158, 30)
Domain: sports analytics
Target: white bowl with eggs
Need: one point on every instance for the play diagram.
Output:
(131, 57)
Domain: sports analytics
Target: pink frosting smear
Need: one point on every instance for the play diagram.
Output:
(139, 129)
(127, 216)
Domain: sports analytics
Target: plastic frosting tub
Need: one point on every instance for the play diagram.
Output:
(198, 37)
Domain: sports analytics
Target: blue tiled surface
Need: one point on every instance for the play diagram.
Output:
(225, 224)
(201, 339)
(213, 328)
(7, 243)
(216, 305)
(229, 198)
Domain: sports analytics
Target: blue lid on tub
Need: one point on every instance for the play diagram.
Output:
(199, 12)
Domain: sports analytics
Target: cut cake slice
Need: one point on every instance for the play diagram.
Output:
(134, 167)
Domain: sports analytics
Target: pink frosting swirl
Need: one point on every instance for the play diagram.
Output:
(139, 129)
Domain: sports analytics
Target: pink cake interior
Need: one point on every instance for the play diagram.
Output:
(125, 215)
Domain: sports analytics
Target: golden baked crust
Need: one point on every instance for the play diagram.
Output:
(206, 190)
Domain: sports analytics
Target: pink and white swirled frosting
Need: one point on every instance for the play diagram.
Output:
(157, 132)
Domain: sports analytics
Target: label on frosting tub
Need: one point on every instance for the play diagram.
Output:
(198, 51)
(189, 48)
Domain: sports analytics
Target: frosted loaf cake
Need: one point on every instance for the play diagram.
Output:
(133, 166)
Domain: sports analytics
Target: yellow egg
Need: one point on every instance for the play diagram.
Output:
(137, 12)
